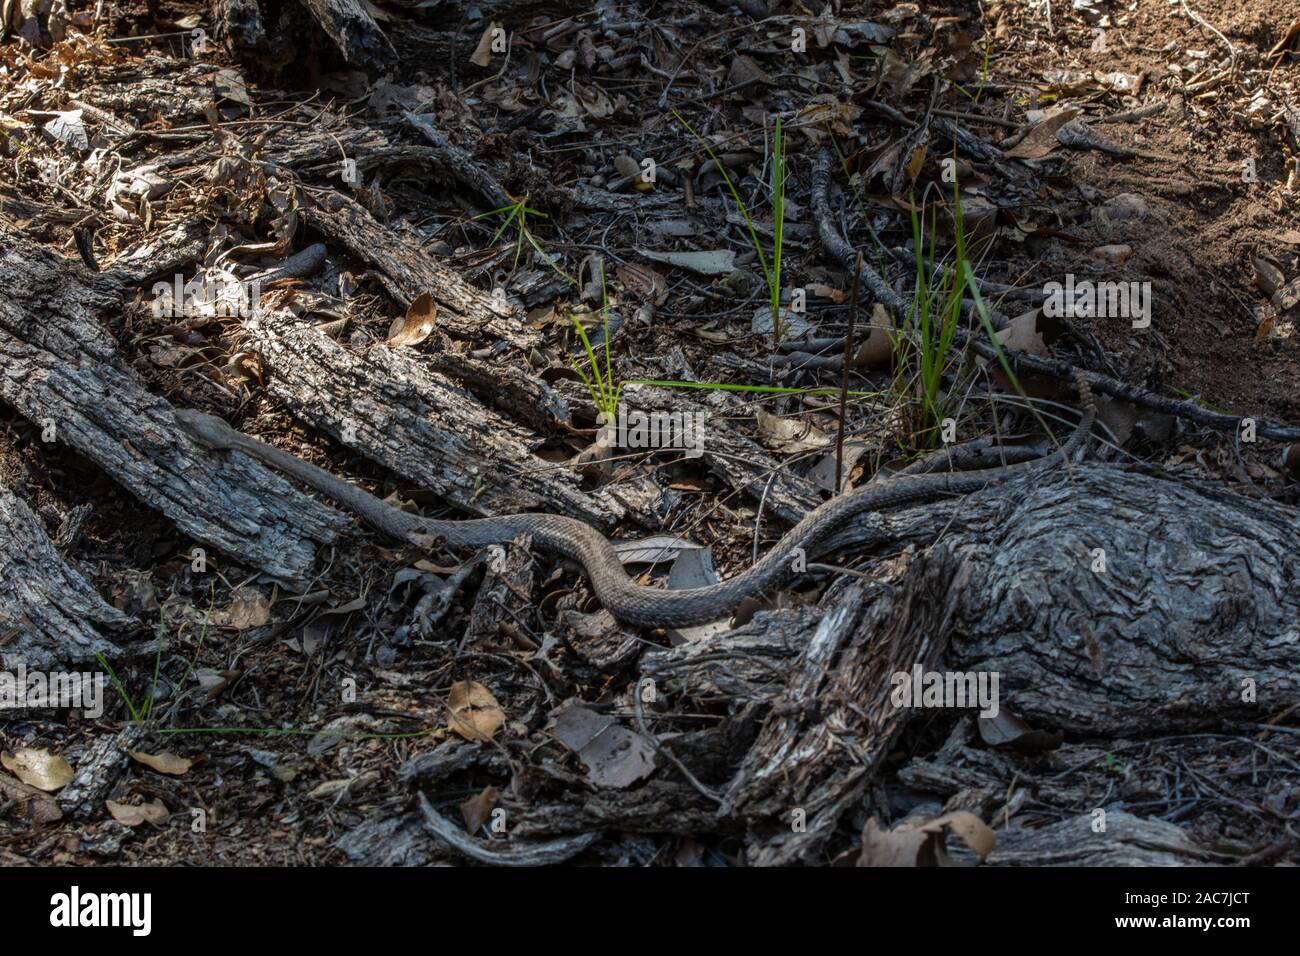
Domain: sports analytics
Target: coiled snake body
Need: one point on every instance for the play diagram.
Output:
(622, 597)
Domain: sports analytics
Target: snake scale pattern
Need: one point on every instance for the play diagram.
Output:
(626, 600)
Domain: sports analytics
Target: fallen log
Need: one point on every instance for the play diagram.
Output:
(239, 25)
(1116, 602)
(386, 404)
(1128, 840)
(1194, 622)
(59, 368)
(407, 271)
(735, 458)
(1037, 792)
(354, 31)
(49, 614)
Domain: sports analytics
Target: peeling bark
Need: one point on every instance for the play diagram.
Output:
(1200, 592)
(98, 771)
(834, 719)
(239, 25)
(354, 31)
(1127, 841)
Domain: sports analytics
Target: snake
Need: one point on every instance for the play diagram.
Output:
(629, 602)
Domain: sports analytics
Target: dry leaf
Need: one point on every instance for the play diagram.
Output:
(133, 816)
(922, 843)
(38, 768)
(475, 713)
(970, 829)
(1119, 417)
(614, 756)
(165, 762)
(645, 281)
(249, 608)
(912, 165)
(891, 847)
(230, 85)
(745, 70)
(877, 347)
(418, 323)
(790, 435)
(67, 127)
(1009, 730)
(654, 550)
(718, 262)
(482, 54)
(822, 474)
(1116, 252)
(1026, 334)
(1041, 140)
(477, 810)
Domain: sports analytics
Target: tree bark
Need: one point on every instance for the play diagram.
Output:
(1199, 595)
(386, 404)
(354, 31)
(49, 613)
(60, 370)
(408, 271)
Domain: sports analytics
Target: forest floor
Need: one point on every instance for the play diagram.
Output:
(340, 718)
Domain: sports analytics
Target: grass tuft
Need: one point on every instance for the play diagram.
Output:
(521, 211)
(605, 392)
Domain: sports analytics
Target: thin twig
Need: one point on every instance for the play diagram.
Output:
(1201, 21)
(844, 375)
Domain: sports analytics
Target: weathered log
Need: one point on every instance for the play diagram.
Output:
(1034, 781)
(49, 614)
(239, 24)
(655, 806)
(510, 387)
(386, 404)
(802, 762)
(354, 31)
(1128, 840)
(408, 271)
(165, 255)
(460, 163)
(737, 460)
(98, 771)
(388, 837)
(60, 370)
(1199, 594)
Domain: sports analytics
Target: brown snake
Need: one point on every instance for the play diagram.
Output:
(574, 539)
